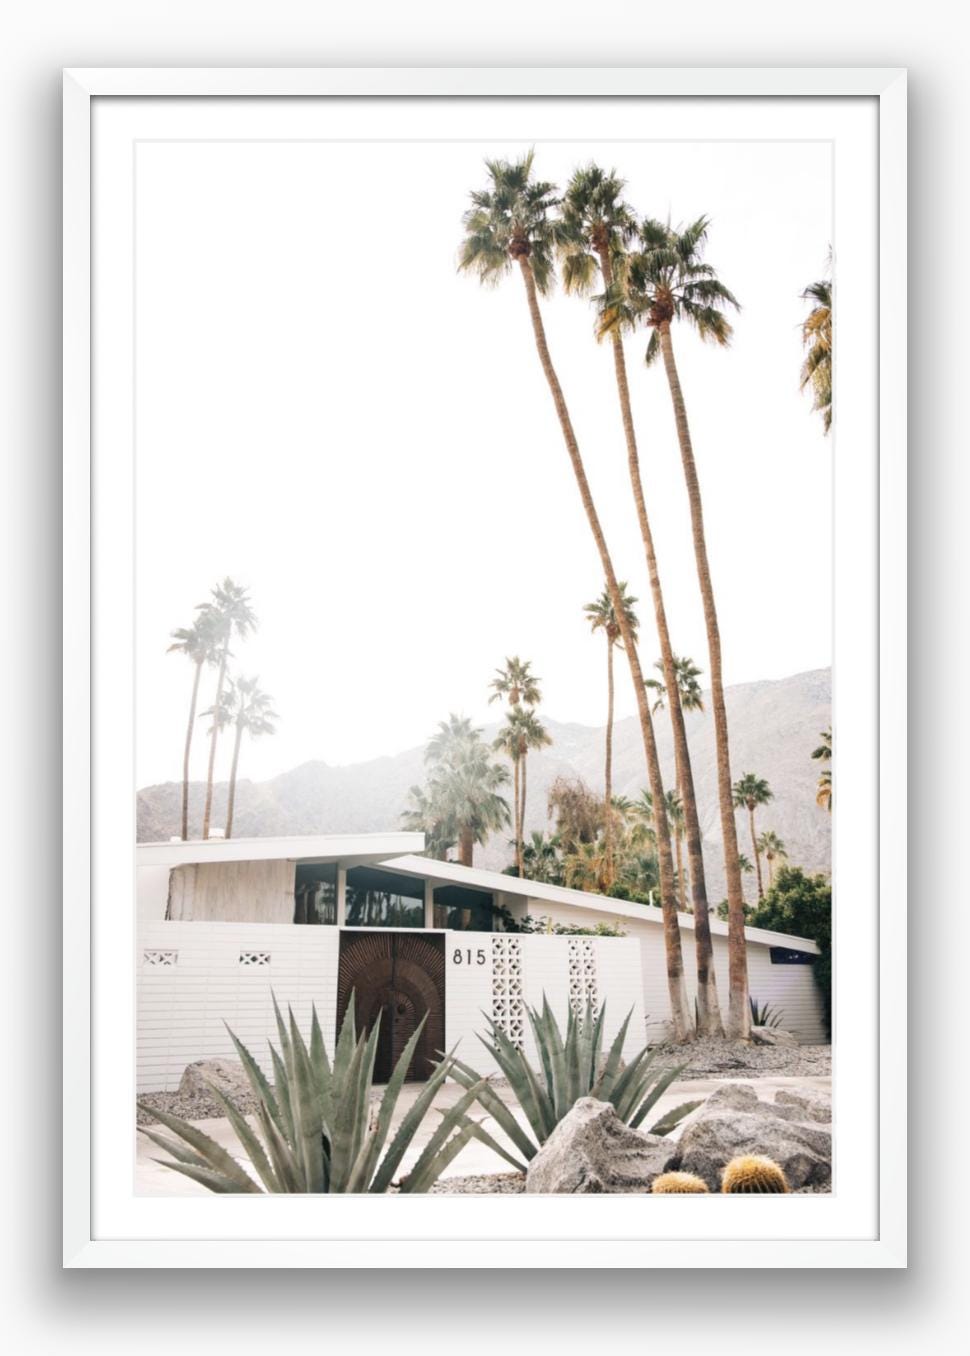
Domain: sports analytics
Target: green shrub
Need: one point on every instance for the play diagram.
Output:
(317, 1129)
(571, 1068)
(802, 905)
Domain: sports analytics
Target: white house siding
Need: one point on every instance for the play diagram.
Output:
(152, 893)
(192, 980)
(789, 989)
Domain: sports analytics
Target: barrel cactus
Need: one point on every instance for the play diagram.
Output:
(753, 1173)
(678, 1183)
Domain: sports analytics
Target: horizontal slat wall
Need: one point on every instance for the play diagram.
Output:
(183, 1008)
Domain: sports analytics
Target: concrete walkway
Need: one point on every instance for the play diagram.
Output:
(476, 1159)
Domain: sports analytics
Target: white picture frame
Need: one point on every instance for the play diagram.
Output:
(593, 1232)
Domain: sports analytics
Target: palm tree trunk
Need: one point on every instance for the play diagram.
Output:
(190, 730)
(608, 771)
(207, 814)
(232, 779)
(739, 1011)
(679, 1013)
(466, 846)
(682, 890)
(757, 854)
(522, 816)
(515, 816)
(708, 1007)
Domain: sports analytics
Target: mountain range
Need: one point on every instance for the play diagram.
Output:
(774, 726)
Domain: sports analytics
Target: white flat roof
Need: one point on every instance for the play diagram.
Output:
(452, 873)
(321, 847)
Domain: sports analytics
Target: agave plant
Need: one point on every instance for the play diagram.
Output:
(317, 1130)
(573, 1067)
(763, 1014)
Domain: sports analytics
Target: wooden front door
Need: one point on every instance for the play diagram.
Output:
(398, 977)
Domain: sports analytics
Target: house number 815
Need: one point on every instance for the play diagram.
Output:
(460, 957)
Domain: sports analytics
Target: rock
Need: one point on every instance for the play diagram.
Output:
(772, 1035)
(592, 1151)
(228, 1075)
(809, 1104)
(735, 1121)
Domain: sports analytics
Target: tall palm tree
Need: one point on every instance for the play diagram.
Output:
(597, 226)
(774, 851)
(823, 792)
(198, 643)
(665, 280)
(463, 787)
(509, 225)
(251, 712)
(691, 699)
(602, 617)
(523, 731)
(232, 615)
(516, 683)
(817, 338)
(750, 792)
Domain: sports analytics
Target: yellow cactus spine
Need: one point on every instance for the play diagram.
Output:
(677, 1182)
(753, 1173)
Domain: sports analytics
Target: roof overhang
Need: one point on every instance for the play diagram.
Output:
(352, 849)
(452, 873)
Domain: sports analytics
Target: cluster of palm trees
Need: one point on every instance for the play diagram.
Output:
(239, 703)
(645, 275)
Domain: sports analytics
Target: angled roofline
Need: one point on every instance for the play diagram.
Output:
(345, 847)
(453, 873)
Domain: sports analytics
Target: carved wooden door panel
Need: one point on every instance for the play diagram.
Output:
(399, 977)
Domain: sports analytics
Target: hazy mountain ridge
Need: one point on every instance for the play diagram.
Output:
(774, 728)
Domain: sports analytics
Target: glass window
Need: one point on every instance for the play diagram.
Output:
(463, 910)
(315, 896)
(377, 899)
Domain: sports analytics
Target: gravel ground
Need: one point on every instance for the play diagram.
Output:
(711, 1058)
(197, 1108)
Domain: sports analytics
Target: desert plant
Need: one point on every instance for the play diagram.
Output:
(571, 1067)
(753, 1174)
(678, 1183)
(763, 1014)
(316, 1128)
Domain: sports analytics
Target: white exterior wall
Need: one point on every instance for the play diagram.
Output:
(789, 989)
(191, 982)
(152, 893)
(182, 1007)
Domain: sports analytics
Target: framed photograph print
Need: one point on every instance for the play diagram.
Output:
(484, 613)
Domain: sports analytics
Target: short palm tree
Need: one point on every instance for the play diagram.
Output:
(774, 851)
(251, 712)
(510, 225)
(542, 859)
(602, 617)
(199, 644)
(596, 228)
(232, 615)
(823, 792)
(750, 792)
(643, 809)
(423, 815)
(817, 337)
(666, 280)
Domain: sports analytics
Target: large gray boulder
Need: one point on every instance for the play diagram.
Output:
(735, 1121)
(228, 1075)
(592, 1151)
(807, 1104)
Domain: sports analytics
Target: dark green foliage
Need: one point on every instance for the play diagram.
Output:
(802, 905)
(763, 1014)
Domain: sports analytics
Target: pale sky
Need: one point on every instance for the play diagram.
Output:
(332, 415)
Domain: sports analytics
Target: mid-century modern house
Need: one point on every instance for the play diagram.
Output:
(224, 924)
